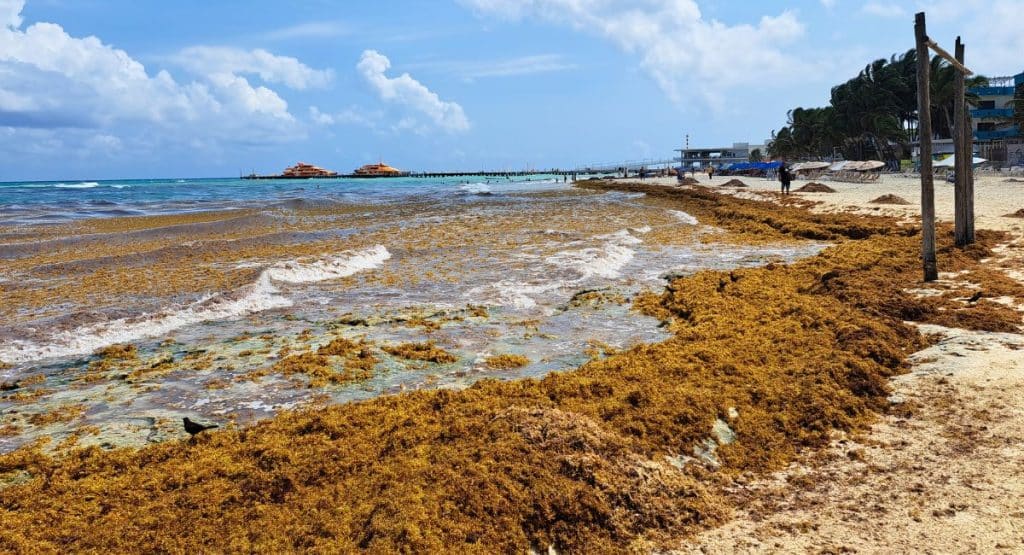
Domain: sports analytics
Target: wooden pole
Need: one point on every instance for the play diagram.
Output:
(924, 117)
(969, 166)
(958, 64)
(960, 215)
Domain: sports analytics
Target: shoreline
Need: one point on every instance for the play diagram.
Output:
(584, 459)
(940, 473)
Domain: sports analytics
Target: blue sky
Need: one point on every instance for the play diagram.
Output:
(109, 89)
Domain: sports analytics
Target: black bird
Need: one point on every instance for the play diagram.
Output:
(975, 297)
(194, 428)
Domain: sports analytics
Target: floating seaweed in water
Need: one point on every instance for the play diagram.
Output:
(506, 361)
(426, 351)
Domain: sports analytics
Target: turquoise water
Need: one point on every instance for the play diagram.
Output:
(55, 201)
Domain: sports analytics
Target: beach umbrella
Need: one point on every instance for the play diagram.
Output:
(951, 161)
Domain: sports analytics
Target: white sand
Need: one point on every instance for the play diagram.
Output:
(948, 479)
(994, 197)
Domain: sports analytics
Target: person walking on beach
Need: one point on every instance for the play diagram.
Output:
(711, 172)
(784, 177)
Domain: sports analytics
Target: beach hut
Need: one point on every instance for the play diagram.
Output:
(855, 171)
(809, 170)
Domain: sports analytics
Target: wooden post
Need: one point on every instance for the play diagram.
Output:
(924, 131)
(963, 157)
(969, 166)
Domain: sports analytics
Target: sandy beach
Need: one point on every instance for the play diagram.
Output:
(995, 196)
(942, 476)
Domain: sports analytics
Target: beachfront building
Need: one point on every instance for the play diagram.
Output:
(379, 169)
(303, 170)
(716, 156)
(998, 138)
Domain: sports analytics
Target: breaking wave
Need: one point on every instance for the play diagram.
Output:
(579, 266)
(255, 297)
(476, 189)
(684, 217)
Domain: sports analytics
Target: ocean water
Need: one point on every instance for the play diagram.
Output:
(215, 282)
(57, 201)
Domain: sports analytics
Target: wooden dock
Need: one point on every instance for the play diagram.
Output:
(434, 175)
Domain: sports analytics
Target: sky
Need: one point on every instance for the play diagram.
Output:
(106, 89)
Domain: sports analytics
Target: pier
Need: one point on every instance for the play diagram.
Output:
(604, 168)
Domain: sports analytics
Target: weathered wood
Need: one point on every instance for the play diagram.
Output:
(969, 171)
(952, 61)
(924, 132)
(963, 156)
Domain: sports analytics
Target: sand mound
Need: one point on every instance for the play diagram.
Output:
(815, 188)
(1013, 180)
(889, 199)
(689, 181)
(734, 183)
(1017, 214)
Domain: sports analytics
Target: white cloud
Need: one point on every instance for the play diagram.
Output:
(86, 95)
(406, 91)
(320, 118)
(526, 65)
(828, 3)
(10, 13)
(206, 60)
(991, 30)
(509, 67)
(884, 10)
(680, 49)
(352, 115)
(311, 30)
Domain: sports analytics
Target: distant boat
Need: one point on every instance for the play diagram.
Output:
(379, 169)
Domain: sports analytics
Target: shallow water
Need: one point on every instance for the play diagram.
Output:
(213, 298)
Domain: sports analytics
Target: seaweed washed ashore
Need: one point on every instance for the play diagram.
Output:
(631, 450)
(115, 330)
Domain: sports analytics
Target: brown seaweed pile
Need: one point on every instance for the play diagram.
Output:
(426, 351)
(734, 183)
(1017, 214)
(506, 362)
(889, 198)
(815, 187)
(340, 361)
(612, 456)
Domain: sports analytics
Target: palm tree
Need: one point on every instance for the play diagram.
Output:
(874, 113)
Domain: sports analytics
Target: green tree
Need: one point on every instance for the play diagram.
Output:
(873, 114)
(756, 156)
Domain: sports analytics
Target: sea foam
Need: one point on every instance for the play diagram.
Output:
(83, 185)
(605, 261)
(684, 217)
(476, 189)
(255, 297)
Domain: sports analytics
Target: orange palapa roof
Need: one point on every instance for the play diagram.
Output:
(303, 169)
(378, 168)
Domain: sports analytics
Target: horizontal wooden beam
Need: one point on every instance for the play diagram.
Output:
(949, 58)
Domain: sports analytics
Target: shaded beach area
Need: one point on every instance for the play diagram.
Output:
(638, 448)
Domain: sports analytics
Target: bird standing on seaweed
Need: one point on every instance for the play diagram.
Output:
(194, 428)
